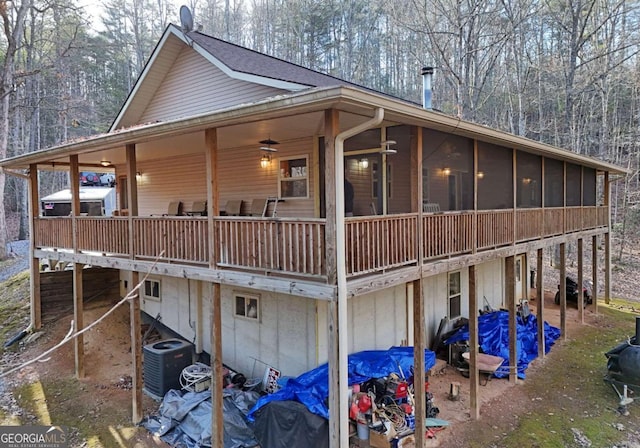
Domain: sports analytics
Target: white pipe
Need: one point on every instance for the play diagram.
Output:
(341, 261)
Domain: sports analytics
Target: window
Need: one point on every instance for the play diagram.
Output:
(151, 290)
(455, 294)
(293, 178)
(247, 306)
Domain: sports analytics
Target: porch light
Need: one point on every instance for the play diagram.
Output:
(526, 180)
(138, 176)
(480, 174)
(446, 171)
(364, 163)
(265, 160)
(105, 163)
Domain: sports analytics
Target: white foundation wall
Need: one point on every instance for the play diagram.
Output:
(490, 284)
(284, 337)
(376, 321)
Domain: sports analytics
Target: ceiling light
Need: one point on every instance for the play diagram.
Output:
(105, 163)
(266, 145)
(386, 147)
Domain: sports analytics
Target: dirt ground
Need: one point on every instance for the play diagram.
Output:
(99, 405)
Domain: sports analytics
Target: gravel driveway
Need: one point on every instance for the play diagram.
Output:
(18, 252)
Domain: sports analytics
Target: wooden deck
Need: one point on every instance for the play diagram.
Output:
(293, 246)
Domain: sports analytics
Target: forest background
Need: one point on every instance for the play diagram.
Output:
(563, 72)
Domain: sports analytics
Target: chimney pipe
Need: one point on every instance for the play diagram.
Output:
(427, 75)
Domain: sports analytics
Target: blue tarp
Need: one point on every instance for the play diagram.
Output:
(493, 337)
(312, 387)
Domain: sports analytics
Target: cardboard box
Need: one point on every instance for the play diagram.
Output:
(378, 440)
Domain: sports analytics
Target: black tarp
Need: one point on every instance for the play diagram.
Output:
(288, 424)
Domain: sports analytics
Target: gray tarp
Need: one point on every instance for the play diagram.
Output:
(184, 419)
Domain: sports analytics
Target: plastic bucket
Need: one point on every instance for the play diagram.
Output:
(363, 430)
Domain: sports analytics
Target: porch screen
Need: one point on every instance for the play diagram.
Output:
(588, 187)
(529, 180)
(574, 185)
(447, 174)
(495, 177)
(553, 183)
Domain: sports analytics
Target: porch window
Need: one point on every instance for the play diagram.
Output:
(247, 306)
(455, 294)
(152, 290)
(293, 180)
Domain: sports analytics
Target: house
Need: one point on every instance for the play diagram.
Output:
(444, 213)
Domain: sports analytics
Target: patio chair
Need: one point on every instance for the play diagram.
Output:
(430, 207)
(233, 207)
(199, 208)
(258, 207)
(174, 209)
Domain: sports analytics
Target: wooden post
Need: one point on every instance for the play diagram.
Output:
(78, 306)
(213, 200)
(607, 241)
(580, 281)
(34, 263)
(213, 210)
(134, 305)
(594, 272)
(419, 330)
(510, 297)
(474, 374)
(563, 291)
(331, 124)
(540, 307)
(136, 352)
(217, 384)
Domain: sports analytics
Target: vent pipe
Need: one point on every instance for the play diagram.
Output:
(637, 342)
(427, 75)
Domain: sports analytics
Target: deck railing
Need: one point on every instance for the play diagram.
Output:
(380, 242)
(286, 245)
(294, 246)
(446, 234)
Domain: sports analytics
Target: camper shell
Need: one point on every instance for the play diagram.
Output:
(94, 201)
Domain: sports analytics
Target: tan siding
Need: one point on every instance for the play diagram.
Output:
(242, 177)
(194, 85)
(183, 178)
(180, 178)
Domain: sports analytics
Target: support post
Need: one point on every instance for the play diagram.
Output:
(419, 327)
(78, 312)
(331, 123)
(134, 305)
(594, 272)
(580, 281)
(34, 263)
(510, 297)
(540, 304)
(136, 352)
(607, 241)
(213, 210)
(217, 386)
(563, 290)
(474, 374)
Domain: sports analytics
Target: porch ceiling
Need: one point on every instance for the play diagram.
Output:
(281, 118)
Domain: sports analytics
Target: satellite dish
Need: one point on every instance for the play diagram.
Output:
(186, 19)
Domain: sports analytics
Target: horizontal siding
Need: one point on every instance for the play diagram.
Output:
(152, 80)
(242, 178)
(194, 85)
(181, 178)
